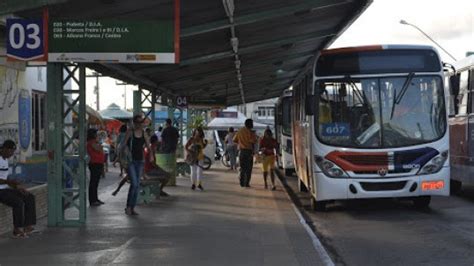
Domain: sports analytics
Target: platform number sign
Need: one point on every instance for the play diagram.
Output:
(25, 39)
(182, 102)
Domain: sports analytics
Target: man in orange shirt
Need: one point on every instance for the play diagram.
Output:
(246, 140)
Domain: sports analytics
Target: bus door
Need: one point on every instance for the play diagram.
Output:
(307, 84)
(467, 81)
(459, 137)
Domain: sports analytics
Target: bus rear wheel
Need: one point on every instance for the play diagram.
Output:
(422, 202)
(319, 206)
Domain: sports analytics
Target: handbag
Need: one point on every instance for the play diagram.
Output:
(125, 154)
(192, 155)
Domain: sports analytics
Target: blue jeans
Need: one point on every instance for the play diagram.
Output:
(232, 151)
(135, 171)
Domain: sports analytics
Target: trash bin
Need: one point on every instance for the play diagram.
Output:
(167, 161)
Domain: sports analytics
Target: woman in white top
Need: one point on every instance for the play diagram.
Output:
(231, 148)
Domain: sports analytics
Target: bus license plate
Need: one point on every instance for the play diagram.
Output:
(432, 185)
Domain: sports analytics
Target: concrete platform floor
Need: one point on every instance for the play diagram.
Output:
(222, 225)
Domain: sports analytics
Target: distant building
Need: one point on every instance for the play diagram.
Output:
(261, 111)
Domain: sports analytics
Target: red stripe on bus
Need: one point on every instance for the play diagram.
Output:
(45, 33)
(177, 25)
(359, 161)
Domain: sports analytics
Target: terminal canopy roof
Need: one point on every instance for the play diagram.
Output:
(274, 40)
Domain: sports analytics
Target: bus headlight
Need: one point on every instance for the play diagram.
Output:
(329, 168)
(435, 164)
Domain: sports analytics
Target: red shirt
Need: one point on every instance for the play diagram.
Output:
(149, 165)
(268, 145)
(96, 156)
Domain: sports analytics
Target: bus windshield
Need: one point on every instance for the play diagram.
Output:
(286, 116)
(382, 112)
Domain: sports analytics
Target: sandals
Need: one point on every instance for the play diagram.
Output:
(130, 212)
(19, 235)
(32, 232)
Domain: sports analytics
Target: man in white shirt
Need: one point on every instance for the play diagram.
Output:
(11, 194)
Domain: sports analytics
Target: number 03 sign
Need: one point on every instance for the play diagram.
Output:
(25, 39)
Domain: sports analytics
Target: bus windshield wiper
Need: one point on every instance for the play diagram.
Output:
(361, 97)
(398, 99)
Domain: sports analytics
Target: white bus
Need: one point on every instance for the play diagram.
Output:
(371, 122)
(461, 122)
(283, 132)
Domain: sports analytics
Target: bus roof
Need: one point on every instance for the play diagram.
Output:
(465, 63)
(376, 48)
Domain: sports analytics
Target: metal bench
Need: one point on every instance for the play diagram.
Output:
(182, 168)
(149, 190)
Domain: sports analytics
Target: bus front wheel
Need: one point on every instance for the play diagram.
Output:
(455, 186)
(319, 206)
(302, 186)
(422, 202)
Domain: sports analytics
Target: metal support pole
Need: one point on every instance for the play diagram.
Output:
(137, 102)
(66, 145)
(54, 79)
(147, 105)
(154, 97)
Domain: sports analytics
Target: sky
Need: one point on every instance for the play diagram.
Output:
(450, 23)
(110, 93)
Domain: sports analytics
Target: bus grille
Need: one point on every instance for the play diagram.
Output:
(371, 160)
(398, 171)
(384, 186)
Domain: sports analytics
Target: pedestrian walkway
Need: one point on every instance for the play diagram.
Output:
(222, 225)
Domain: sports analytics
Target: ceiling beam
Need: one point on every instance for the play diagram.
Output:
(258, 47)
(305, 6)
(152, 70)
(249, 79)
(208, 90)
(128, 74)
(270, 93)
(12, 6)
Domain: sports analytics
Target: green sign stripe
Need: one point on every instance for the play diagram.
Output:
(111, 36)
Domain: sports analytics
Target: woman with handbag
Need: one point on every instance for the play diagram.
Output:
(136, 141)
(195, 157)
(123, 158)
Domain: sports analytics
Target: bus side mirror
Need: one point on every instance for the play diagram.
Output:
(310, 105)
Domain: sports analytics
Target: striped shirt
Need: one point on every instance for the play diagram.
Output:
(3, 171)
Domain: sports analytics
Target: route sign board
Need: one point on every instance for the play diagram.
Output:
(182, 102)
(112, 41)
(25, 39)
